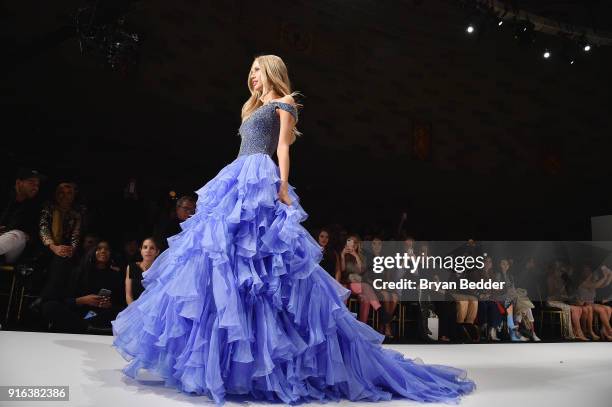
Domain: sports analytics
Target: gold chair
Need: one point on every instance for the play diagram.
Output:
(373, 318)
(403, 318)
(552, 313)
(9, 269)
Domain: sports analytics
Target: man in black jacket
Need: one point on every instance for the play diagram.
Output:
(19, 219)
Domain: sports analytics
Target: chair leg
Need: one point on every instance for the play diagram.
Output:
(20, 304)
(10, 299)
(401, 320)
(541, 315)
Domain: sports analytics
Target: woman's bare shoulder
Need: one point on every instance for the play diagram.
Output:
(287, 99)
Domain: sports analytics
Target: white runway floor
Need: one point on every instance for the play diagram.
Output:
(514, 375)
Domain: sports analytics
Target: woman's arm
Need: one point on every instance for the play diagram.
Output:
(287, 122)
(360, 263)
(342, 261)
(44, 226)
(75, 237)
(128, 286)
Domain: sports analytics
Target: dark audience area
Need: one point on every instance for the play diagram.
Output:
(66, 267)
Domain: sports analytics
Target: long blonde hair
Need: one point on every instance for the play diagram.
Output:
(274, 74)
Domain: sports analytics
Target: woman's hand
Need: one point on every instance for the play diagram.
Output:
(92, 300)
(283, 193)
(105, 302)
(61, 250)
(349, 250)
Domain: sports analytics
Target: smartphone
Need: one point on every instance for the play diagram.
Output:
(104, 292)
(349, 244)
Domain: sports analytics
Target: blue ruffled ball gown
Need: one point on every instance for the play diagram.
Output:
(238, 303)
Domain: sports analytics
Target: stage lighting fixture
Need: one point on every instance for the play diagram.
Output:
(569, 50)
(470, 29)
(524, 32)
(499, 19)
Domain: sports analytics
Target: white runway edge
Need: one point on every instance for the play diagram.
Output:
(522, 374)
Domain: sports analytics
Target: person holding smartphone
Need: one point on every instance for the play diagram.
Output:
(92, 298)
(352, 269)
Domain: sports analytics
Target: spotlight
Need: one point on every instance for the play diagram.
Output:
(546, 54)
(524, 32)
(470, 29)
(583, 44)
(499, 20)
(569, 50)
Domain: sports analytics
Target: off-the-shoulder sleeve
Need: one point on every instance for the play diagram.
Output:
(289, 108)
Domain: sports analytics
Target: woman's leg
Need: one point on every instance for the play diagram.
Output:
(515, 335)
(393, 301)
(576, 312)
(384, 298)
(447, 312)
(494, 320)
(364, 309)
(589, 322)
(604, 318)
(472, 312)
(367, 299)
(462, 311)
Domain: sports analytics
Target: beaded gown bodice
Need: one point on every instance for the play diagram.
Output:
(260, 131)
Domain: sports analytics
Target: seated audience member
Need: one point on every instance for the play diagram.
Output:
(558, 297)
(467, 310)
(60, 232)
(591, 281)
(518, 306)
(531, 276)
(80, 308)
(574, 280)
(130, 252)
(604, 293)
(442, 300)
(425, 301)
(330, 260)
(352, 269)
(388, 297)
(466, 300)
(185, 208)
(19, 219)
(133, 274)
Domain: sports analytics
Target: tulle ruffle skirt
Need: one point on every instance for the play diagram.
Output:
(238, 304)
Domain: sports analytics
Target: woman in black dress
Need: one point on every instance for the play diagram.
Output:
(149, 250)
(330, 260)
